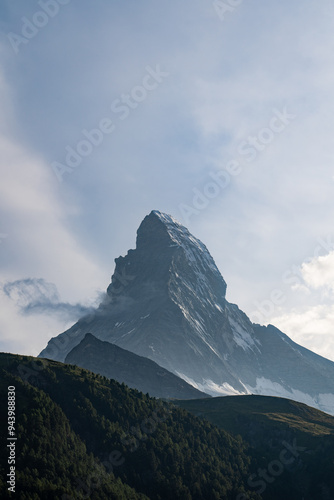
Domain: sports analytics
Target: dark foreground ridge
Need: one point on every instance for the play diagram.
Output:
(135, 371)
(80, 435)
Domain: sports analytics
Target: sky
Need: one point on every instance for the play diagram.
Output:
(219, 113)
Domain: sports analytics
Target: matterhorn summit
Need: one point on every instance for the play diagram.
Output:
(167, 302)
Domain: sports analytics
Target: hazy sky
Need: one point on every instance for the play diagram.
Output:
(218, 113)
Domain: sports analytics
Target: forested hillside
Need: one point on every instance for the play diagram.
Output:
(84, 436)
(81, 435)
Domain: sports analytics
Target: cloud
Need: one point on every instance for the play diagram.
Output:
(35, 219)
(311, 327)
(37, 296)
(319, 273)
(35, 222)
(307, 315)
(31, 312)
(37, 239)
(28, 291)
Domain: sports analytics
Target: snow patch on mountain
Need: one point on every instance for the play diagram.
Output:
(212, 388)
(182, 237)
(241, 336)
(324, 402)
(243, 332)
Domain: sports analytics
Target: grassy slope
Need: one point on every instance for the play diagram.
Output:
(224, 412)
(236, 414)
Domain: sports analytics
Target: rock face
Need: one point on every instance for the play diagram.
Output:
(135, 371)
(167, 302)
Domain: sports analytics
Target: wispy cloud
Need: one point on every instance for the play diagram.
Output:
(31, 312)
(37, 296)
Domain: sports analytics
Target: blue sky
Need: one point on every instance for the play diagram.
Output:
(227, 125)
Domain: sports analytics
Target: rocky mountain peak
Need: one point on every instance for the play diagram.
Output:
(167, 302)
(162, 229)
(153, 232)
(169, 264)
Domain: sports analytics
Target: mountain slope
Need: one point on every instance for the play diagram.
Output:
(256, 417)
(273, 426)
(167, 302)
(80, 435)
(135, 371)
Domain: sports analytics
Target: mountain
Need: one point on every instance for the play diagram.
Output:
(167, 302)
(135, 371)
